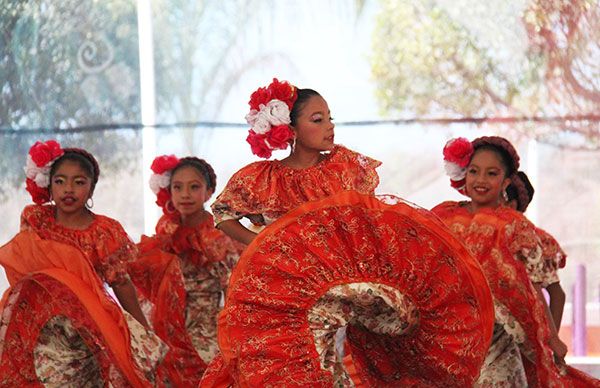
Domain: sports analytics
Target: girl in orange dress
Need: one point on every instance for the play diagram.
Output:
(316, 168)
(183, 270)
(332, 257)
(520, 193)
(525, 349)
(58, 326)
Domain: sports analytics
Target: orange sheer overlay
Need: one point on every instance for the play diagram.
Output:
(271, 189)
(158, 275)
(104, 243)
(47, 279)
(497, 238)
(347, 239)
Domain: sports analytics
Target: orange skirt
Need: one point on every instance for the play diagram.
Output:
(50, 279)
(416, 305)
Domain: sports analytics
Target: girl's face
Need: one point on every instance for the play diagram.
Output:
(314, 126)
(189, 191)
(70, 187)
(485, 179)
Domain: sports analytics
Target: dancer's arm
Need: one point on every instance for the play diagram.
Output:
(237, 231)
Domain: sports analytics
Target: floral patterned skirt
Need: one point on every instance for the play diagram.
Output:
(62, 358)
(203, 293)
(49, 336)
(503, 365)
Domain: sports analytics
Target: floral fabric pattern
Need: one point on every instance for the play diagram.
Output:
(183, 272)
(104, 242)
(378, 308)
(503, 366)
(62, 359)
(506, 245)
(76, 262)
(270, 332)
(269, 189)
(553, 256)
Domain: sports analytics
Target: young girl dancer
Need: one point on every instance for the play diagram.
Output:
(525, 349)
(185, 267)
(59, 326)
(334, 256)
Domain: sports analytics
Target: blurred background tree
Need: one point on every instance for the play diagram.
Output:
(67, 64)
(465, 58)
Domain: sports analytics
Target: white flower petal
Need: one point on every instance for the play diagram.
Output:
(454, 171)
(42, 180)
(251, 117)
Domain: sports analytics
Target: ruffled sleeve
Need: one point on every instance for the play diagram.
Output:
(524, 244)
(553, 257)
(33, 216)
(114, 250)
(271, 189)
(237, 199)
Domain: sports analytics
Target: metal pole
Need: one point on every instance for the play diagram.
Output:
(148, 108)
(579, 302)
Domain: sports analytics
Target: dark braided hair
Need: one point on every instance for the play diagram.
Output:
(501, 146)
(521, 190)
(202, 166)
(86, 161)
(303, 96)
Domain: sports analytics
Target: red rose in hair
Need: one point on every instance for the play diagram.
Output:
(44, 153)
(38, 194)
(260, 96)
(258, 145)
(283, 91)
(163, 197)
(279, 136)
(164, 163)
(458, 151)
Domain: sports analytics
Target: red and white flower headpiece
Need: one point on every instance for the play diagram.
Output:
(457, 155)
(162, 168)
(40, 159)
(269, 117)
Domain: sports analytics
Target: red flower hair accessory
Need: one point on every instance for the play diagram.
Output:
(40, 159)
(269, 117)
(162, 168)
(457, 155)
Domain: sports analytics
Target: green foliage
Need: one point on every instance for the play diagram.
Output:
(64, 64)
(68, 63)
(427, 61)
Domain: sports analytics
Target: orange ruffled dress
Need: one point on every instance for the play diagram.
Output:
(507, 247)
(58, 324)
(266, 190)
(183, 272)
(415, 304)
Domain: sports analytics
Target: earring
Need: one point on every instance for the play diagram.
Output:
(169, 207)
(293, 144)
(87, 203)
(504, 195)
